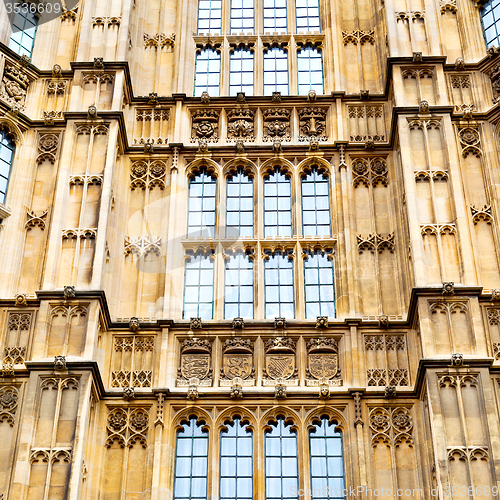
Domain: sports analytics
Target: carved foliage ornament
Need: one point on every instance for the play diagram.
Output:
(127, 426)
(205, 125)
(240, 125)
(276, 124)
(312, 124)
(195, 363)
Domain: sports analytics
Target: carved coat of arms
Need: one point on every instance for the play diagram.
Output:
(323, 362)
(195, 362)
(280, 361)
(237, 361)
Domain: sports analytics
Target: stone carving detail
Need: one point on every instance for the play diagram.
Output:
(448, 6)
(47, 147)
(205, 125)
(151, 126)
(14, 355)
(468, 454)
(159, 40)
(134, 324)
(240, 125)
(193, 393)
(496, 350)
(7, 370)
(493, 316)
(128, 393)
(280, 391)
(448, 288)
(135, 362)
(69, 292)
(390, 392)
(366, 123)
(375, 242)
(470, 141)
(460, 81)
(238, 324)
(312, 124)
(159, 409)
(56, 87)
(457, 359)
(236, 391)
(382, 342)
(376, 377)
(142, 245)
(279, 323)
(494, 75)
(280, 366)
(9, 397)
(323, 362)
(358, 37)
(82, 234)
(146, 174)
(369, 172)
(195, 323)
(110, 22)
(321, 322)
(14, 87)
(50, 455)
(391, 426)
(50, 116)
(237, 362)
(495, 294)
(20, 299)
(358, 415)
(60, 363)
(448, 380)
(127, 426)
(35, 219)
(481, 214)
(195, 363)
(276, 124)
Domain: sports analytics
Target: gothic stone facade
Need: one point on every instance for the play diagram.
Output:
(99, 368)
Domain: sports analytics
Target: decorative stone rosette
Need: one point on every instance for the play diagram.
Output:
(205, 125)
(280, 366)
(323, 362)
(195, 368)
(237, 363)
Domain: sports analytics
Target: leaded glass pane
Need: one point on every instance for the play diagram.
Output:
(277, 205)
(490, 17)
(198, 287)
(275, 71)
(281, 462)
(207, 73)
(278, 286)
(202, 206)
(241, 72)
(236, 469)
(191, 463)
(238, 296)
(242, 16)
(327, 462)
(7, 149)
(307, 16)
(209, 16)
(310, 71)
(315, 205)
(319, 287)
(23, 31)
(275, 19)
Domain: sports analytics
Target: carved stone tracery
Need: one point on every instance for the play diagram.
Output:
(369, 172)
(127, 426)
(391, 426)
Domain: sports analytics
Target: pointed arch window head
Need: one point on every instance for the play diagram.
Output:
(275, 71)
(191, 462)
(307, 16)
(277, 204)
(209, 16)
(198, 287)
(315, 204)
(281, 462)
(327, 461)
(239, 287)
(202, 206)
(240, 206)
(278, 286)
(242, 16)
(241, 68)
(7, 149)
(207, 73)
(310, 70)
(275, 16)
(490, 18)
(236, 463)
(319, 285)
(24, 29)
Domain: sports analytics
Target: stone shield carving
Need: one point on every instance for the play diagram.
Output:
(195, 363)
(237, 362)
(280, 365)
(323, 362)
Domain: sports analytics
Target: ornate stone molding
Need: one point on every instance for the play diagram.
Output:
(141, 246)
(36, 219)
(312, 124)
(240, 125)
(391, 426)
(375, 242)
(470, 141)
(14, 86)
(205, 125)
(358, 37)
(369, 172)
(482, 214)
(148, 174)
(159, 40)
(276, 124)
(47, 147)
(9, 398)
(127, 426)
(448, 6)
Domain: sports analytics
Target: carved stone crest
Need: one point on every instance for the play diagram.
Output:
(195, 364)
(280, 366)
(205, 125)
(237, 362)
(14, 86)
(240, 124)
(276, 124)
(312, 124)
(323, 362)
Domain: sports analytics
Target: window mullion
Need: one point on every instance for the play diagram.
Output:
(292, 67)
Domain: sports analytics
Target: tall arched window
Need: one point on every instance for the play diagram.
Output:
(310, 70)
(201, 205)
(191, 462)
(24, 28)
(275, 71)
(490, 17)
(315, 204)
(239, 203)
(207, 73)
(277, 205)
(327, 461)
(236, 464)
(281, 462)
(7, 149)
(238, 291)
(199, 287)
